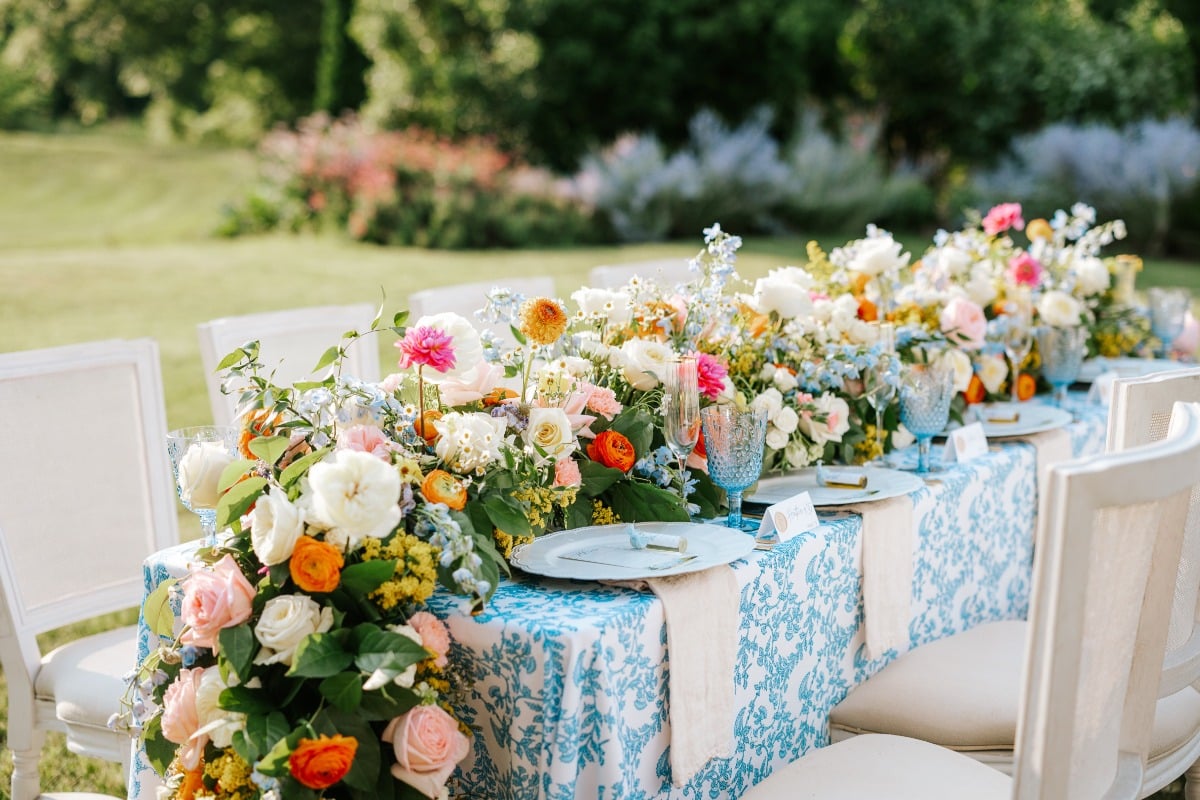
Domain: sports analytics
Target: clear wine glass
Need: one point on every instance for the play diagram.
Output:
(681, 413)
(1061, 351)
(1018, 339)
(198, 456)
(879, 387)
(1168, 314)
(925, 394)
(733, 440)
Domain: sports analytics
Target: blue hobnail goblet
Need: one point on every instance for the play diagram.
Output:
(734, 440)
(1061, 351)
(925, 394)
(1168, 314)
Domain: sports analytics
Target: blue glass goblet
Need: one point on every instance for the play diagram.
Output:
(925, 394)
(1061, 351)
(734, 440)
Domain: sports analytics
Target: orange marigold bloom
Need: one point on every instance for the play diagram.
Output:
(612, 449)
(542, 320)
(1026, 386)
(440, 486)
(320, 763)
(975, 392)
(316, 566)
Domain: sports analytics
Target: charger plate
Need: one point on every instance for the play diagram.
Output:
(1126, 367)
(709, 544)
(882, 483)
(1032, 418)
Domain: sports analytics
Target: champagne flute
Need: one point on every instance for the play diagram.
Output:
(681, 413)
(879, 386)
(1018, 338)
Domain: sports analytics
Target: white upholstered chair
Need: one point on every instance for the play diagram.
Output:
(465, 299)
(665, 272)
(1101, 603)
(85, 495)
(290, 341)
(1141, 407)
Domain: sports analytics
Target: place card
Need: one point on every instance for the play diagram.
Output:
(966, 443)
(788, 518)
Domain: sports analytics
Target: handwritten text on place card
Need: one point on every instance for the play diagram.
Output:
(789, 518)
(966, 443)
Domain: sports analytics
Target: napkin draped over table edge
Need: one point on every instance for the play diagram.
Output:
(887, 563)
(702, 611)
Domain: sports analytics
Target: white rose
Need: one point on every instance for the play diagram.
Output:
(783, 380)
(1091, 276)
(953, 261)
(776, 439)
(787, 299)
(771, 400)
(800, 453)
(379, 678)
(275, 525)
(902, 437)
(992, 370)
(1059, 309)
(644, 360)
(356, 495)
(219, 724)
(960, 363)
(286, 621)
(468, 349)
(550, 430)
(786, 420)
(613, 306)
(837, 420)
(200, 473)
(877, 255)
(469, 442)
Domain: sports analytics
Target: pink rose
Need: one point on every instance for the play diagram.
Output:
(428, 745)
(366, 439)
(214, 599)
(964, 323)
(710, 374)
(1024, 270)
(566, 472)
(1003, 217)
(1186, 342)
(180, 720)
(434, 636)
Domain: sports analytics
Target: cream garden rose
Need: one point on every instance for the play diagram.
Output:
(780, 293)
(643, 361)
(469, 441)
(614, 308)
(837, 419)
(992, 370)
(200, 472)
(877, 255)
(286, 621)
(275, 525)
(219, 724)
(1059, 309)
(1091, 276)
(355, 495)
(960, 364)
(549, 435)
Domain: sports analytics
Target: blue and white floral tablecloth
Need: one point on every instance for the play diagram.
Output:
(569, 678)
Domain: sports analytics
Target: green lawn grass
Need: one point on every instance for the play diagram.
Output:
(103, 236)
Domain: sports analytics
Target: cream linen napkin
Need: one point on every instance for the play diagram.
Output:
(1052, 448)
(887, 557)
(701, 611)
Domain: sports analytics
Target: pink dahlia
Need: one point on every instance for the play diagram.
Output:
(426, 347)
(1024, 270)
(1003, 217)
(710, 374)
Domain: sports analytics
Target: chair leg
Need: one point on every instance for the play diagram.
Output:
(1191, 782)
(26, 783)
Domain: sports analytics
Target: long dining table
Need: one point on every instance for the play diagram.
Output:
(568, 681)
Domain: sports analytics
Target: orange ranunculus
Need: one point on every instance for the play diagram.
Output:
(1038, 229)
(316, 566)
(497, 396)
(1026, 386)
(320, 763)
(424, 426)
(612, 449)
(193, 781)
(867, 311)
(975, 392)
(260, 422)
(440, 486)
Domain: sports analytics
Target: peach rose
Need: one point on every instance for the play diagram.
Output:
(214, 599)
(428, 745)
(964, 323)
(180, 720)
(434, 636)
(366, 439)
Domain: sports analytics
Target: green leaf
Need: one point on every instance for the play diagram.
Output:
(507, 514)
(597, 478)
(364, 770)
(269, 448)
(157, 612)
(365, 577)
(260, 734)
(246, 701)
(275, 762)
(637, 426)
(319, 656)
(399, 320)
(343, 690)
(238, 500)
(386, 703)
(520, 337)
(640, 502)
(327, 358)
(159, 751)
(387, 651)
(238, 647)
(294, 470)
(234, 473)
(237, 355)
(579, 513)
